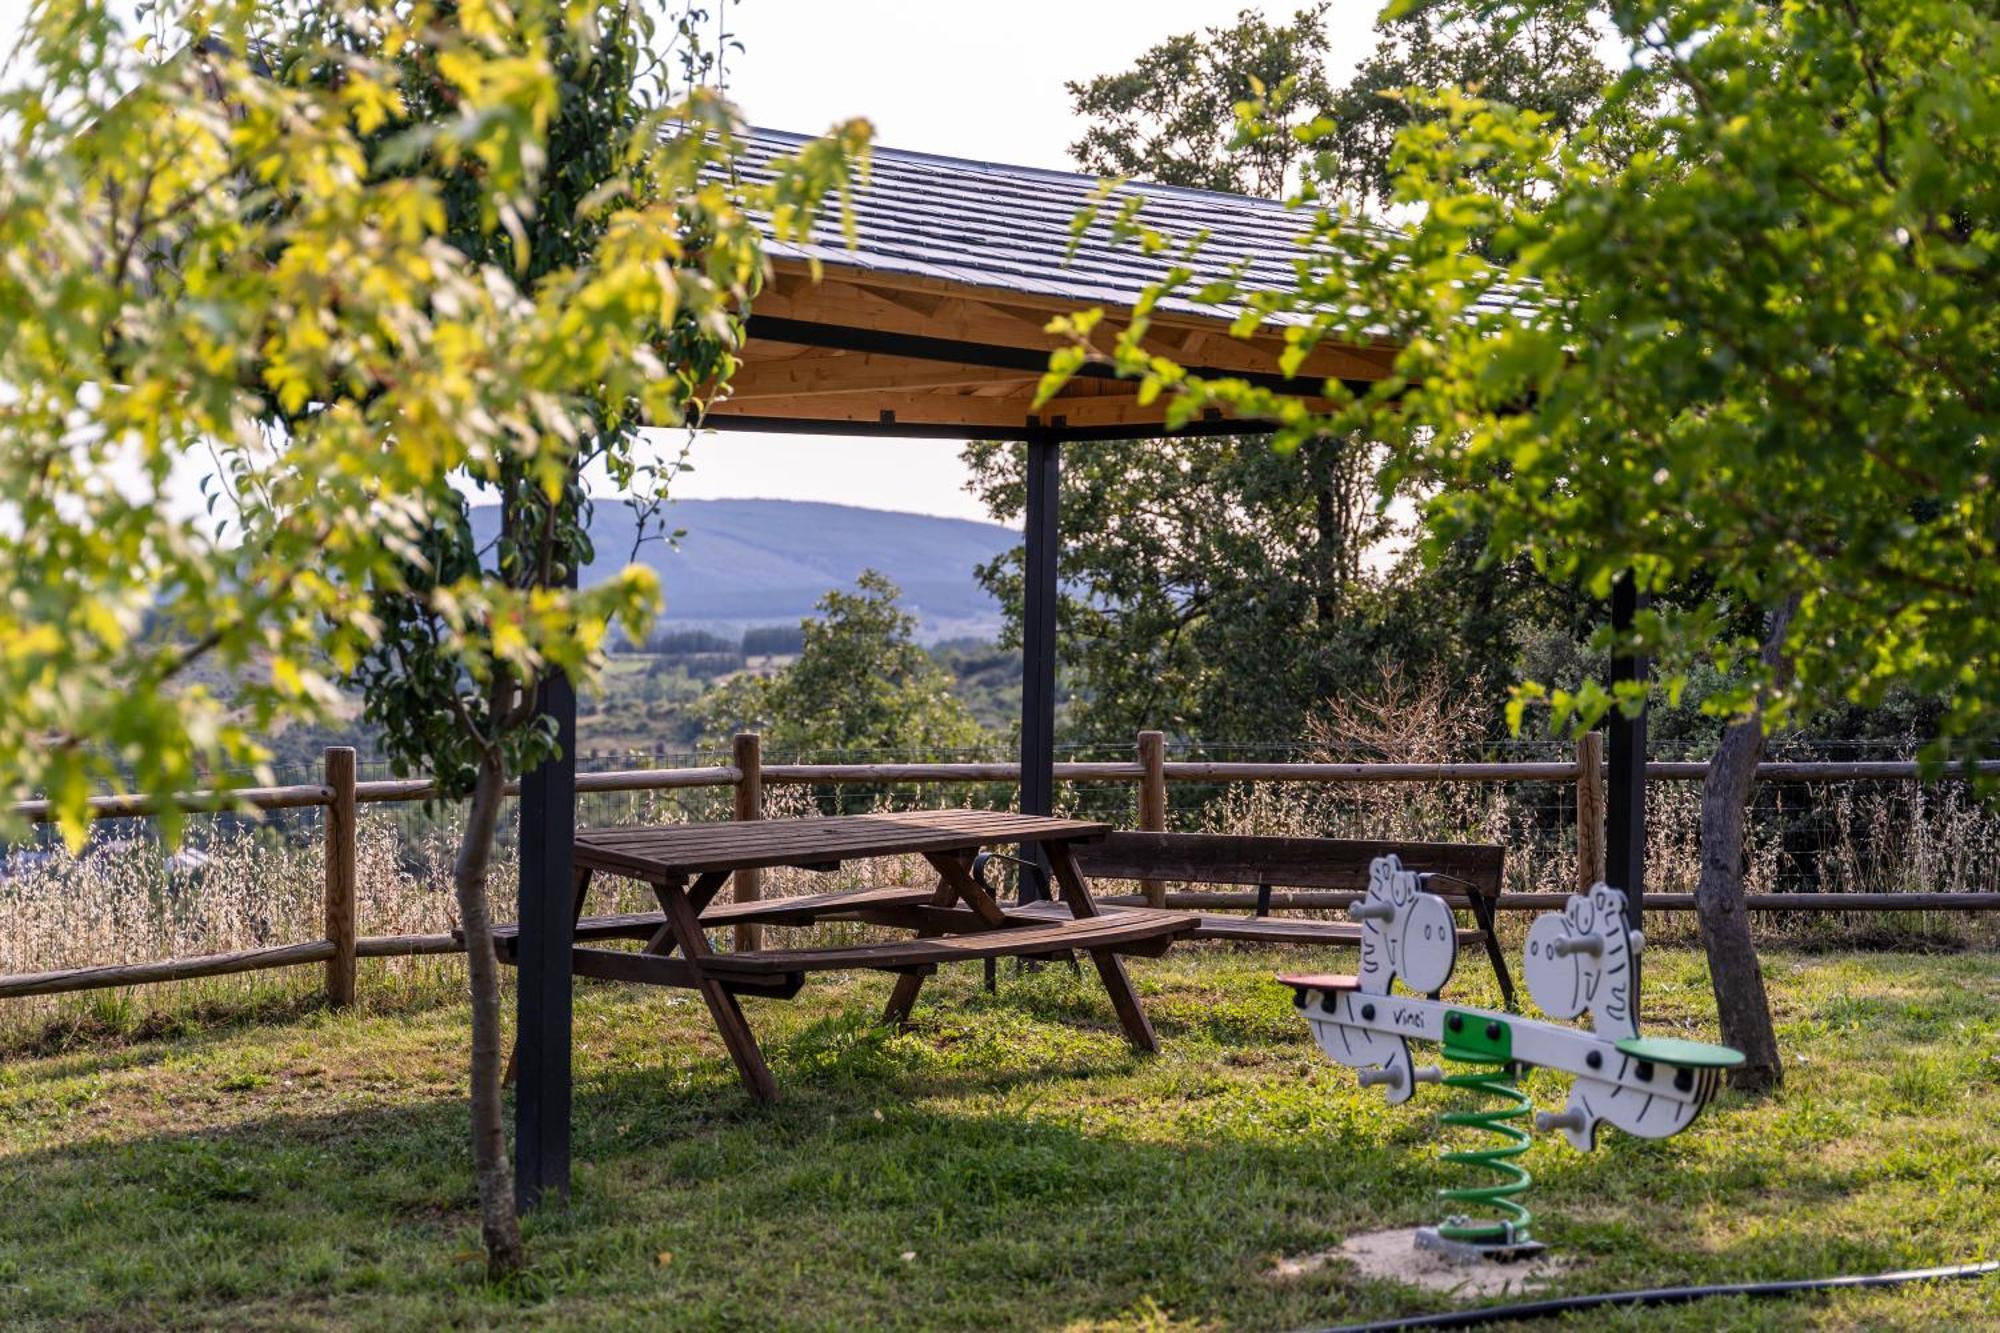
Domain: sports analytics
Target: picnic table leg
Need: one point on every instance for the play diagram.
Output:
(1110, 967)
(1482, 915)
(699, 897)
(955, 881)
(684, 923)
(952, 870)
(903, 998)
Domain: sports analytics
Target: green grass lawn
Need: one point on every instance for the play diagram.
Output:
(1006, 1163)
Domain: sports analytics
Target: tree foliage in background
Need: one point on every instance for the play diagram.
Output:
(1214, 587)
(343, 263)
(1749, 361)
(1544, 60)
(1205, 617)
(1171, 118)
(861, 685)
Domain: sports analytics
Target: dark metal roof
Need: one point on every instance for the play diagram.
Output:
(986, 224)
(989, 225)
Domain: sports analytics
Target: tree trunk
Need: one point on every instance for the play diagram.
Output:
(498, 1225)
(1733, 968)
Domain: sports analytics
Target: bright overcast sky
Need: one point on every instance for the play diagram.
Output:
(966, 79)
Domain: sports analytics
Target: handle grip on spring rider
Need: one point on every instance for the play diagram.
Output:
(1369, 1078)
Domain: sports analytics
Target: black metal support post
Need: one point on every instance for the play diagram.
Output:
(548, 832)
(1625, 813)
(1038, 631)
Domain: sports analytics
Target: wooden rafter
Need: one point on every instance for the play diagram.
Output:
(912, 352)
(859, 372)
(861, 299)
(906, 407)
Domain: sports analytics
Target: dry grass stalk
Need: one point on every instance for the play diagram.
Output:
(124, 901)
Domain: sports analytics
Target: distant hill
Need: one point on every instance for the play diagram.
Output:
(762, 562)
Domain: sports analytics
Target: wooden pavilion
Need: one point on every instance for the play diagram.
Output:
(933, 326)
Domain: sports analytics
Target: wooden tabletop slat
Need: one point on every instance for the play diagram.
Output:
(793, 844)
(678, 850)
(837, 831)
(838, 825)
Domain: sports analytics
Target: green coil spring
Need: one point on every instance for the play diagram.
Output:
(1511, 1227)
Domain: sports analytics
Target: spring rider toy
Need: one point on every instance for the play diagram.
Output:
(1578, 959)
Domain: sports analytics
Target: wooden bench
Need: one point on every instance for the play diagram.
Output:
(778, 973)
(1028, 933)
(1467, 875)
(804, 910)
(1142, 932)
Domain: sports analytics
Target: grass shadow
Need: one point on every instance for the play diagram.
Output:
(1006, 1161)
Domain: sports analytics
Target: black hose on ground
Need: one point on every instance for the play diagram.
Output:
(1561, 1305)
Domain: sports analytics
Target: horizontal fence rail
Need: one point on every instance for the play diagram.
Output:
(339, 793)
(806, 775)
(220, 964)
(1322, 901)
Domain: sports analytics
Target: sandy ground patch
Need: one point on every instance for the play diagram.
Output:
(1395, 1255)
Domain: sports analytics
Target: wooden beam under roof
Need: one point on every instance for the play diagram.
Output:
(907, 408)
(856, 373)
(859, 348)
(880, 302)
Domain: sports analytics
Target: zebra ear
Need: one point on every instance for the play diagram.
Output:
(1377, 912)
(1608, 902)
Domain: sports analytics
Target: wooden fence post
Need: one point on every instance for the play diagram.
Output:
(340, 932)
(1153, 802)
(749, 749)
(1590, 811)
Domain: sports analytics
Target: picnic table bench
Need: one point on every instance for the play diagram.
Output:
(1466, 875)
(957, 920)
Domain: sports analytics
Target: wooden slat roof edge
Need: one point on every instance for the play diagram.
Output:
(1208, 318)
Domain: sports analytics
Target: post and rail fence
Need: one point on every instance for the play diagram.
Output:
(340, 795)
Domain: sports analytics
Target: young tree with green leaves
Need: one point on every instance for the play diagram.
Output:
(457, 706)
(355, 279)
(1749, 360)
(862, 684)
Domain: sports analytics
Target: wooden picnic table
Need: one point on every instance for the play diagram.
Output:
(955, 920)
